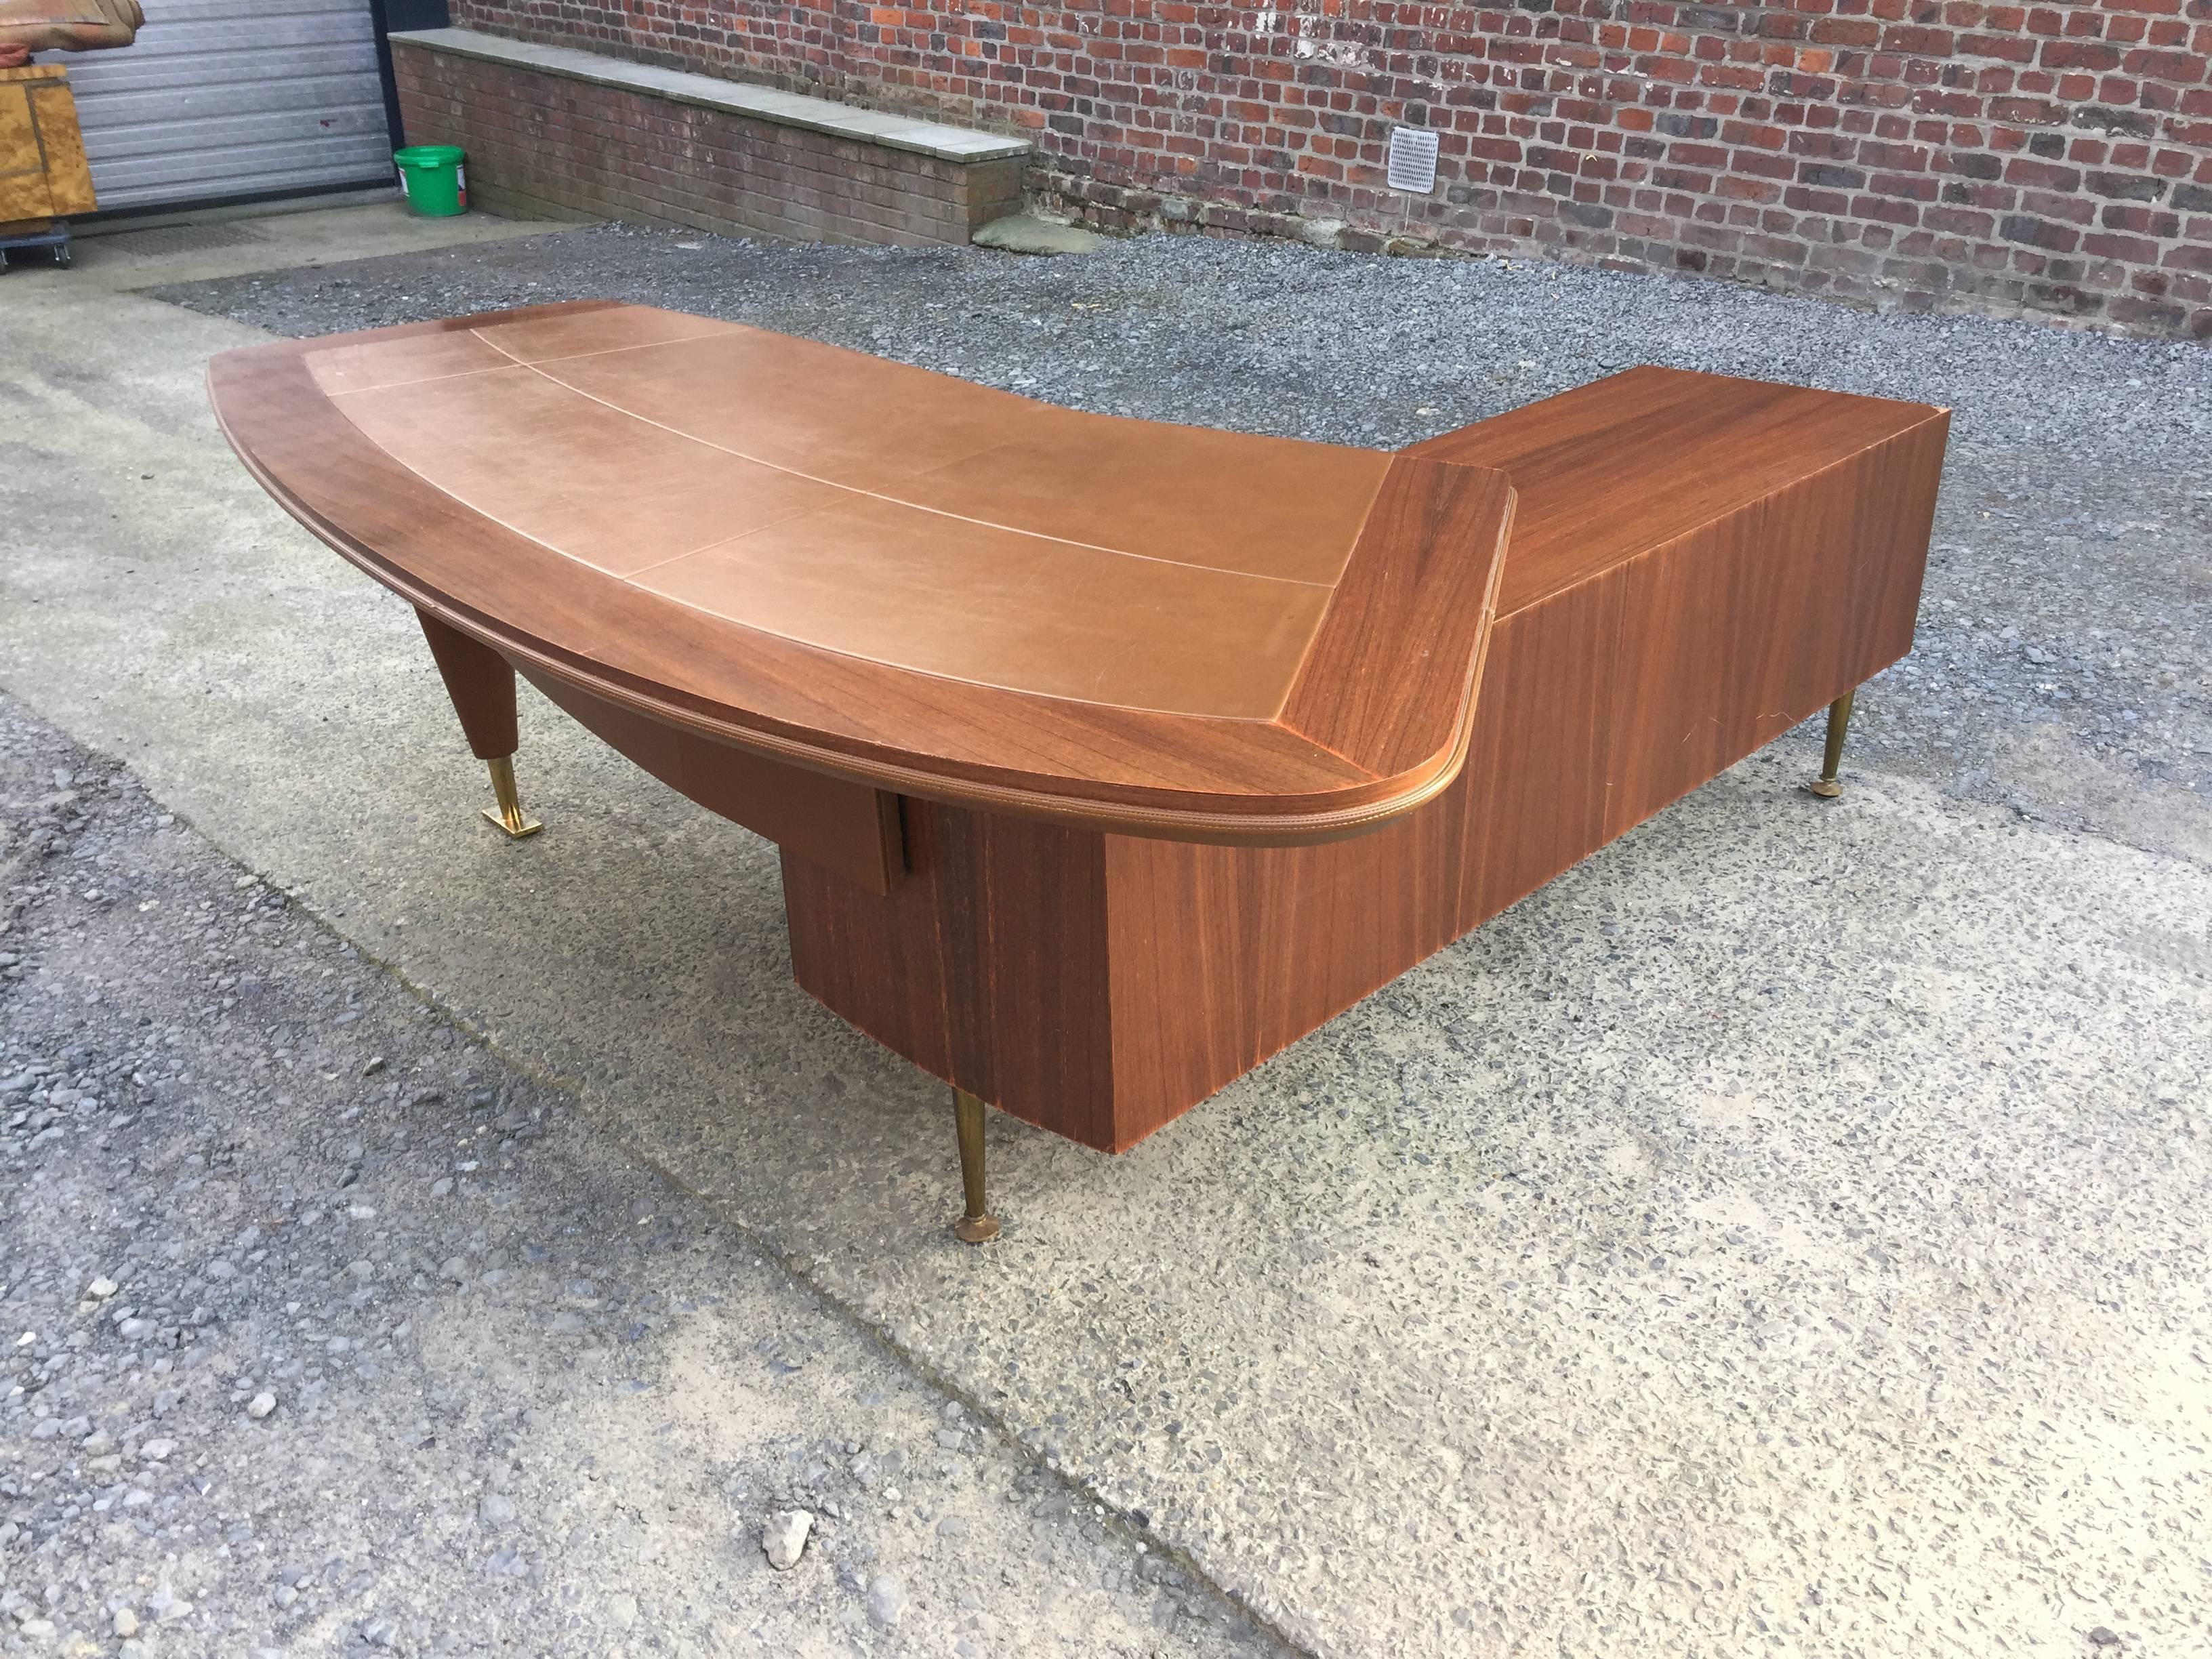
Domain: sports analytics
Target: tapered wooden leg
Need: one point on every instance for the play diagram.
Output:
(1840, 720)
(481, 683)
(979, 1226)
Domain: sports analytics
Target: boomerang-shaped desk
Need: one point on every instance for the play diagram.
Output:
(1106, 757)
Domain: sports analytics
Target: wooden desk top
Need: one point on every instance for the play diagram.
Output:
(1612, 470)
(899, 577)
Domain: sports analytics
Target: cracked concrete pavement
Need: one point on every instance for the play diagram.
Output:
(1784, 1232)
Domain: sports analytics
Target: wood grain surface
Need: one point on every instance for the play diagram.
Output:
(69, 175)
(846, 828)
(987, 965)
(1735, 585)
(810, 600)
(43, 171)
(1421, 587)
(480, 683)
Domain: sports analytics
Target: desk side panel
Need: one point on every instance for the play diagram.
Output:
(1735, 634)
(1225, 956)
(1100, 986)
(1599, 706)
(986, 966)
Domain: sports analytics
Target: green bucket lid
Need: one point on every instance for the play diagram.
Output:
(428, 155)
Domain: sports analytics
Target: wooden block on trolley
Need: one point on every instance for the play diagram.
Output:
(44, 174)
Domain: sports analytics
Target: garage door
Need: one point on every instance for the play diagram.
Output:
(232, 98)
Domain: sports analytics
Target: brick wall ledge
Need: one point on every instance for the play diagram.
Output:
(784, 109)
(557, 132)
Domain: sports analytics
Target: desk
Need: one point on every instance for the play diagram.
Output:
(1106, 757)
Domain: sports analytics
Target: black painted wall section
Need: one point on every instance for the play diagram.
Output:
(401, 15)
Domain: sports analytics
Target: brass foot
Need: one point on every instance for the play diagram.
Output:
(979, 1226)
(1839, 718)
(510, 817)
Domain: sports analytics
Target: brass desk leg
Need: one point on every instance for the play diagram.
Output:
(510, 817)
(1840, 720)
(979, 1226)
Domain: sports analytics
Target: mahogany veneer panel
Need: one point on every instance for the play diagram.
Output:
(1435, 608)
(892, 578)
(986, 966)
(1602, 703)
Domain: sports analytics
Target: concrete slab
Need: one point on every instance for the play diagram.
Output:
(124, 256)
(772, 104)
(1024, 233)
(1784, 1230)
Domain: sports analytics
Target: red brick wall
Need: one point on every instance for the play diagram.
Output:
(2055, 159)
(542, 146)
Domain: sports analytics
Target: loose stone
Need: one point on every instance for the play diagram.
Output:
(784, 1537)
(886, 1600)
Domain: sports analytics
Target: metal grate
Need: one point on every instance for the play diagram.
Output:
(183, 238)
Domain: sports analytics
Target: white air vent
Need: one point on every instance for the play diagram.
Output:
(1414, 160)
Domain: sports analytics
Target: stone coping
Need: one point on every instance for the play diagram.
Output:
(790, 109)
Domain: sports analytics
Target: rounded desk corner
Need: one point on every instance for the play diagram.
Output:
(1370, 675)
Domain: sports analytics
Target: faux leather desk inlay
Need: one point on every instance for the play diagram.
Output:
(894, 515)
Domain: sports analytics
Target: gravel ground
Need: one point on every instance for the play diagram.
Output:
(1784, 1233)
(327, 1332)
(2064, 661)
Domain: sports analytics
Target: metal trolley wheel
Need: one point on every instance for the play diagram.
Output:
(55, 237)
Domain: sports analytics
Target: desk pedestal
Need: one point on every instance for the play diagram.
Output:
(1100, 985)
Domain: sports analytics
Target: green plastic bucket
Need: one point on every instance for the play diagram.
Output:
(433, 179)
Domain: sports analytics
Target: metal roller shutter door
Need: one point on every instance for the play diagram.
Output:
(219, 98)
